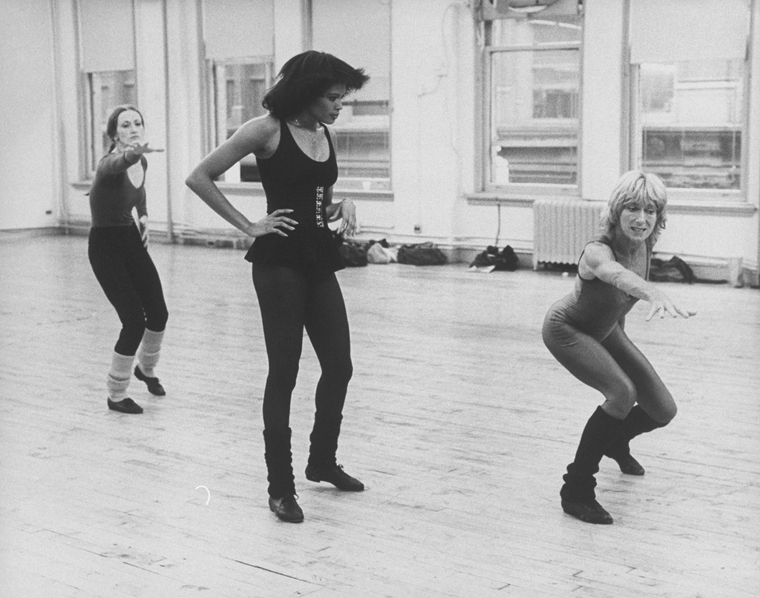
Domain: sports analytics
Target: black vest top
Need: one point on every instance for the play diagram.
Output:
(291, 179)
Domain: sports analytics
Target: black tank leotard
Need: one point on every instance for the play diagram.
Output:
(291, 179)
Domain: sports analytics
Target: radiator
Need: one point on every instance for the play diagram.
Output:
(561, 229)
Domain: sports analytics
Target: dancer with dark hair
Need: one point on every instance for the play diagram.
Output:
(585, 333)
(295, 258)
(119, 257)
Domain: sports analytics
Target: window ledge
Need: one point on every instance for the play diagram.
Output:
(82, 185)
(675, 206)
(722, 208)
(256, 190)
(485, 198)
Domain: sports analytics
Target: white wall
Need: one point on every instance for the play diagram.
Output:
(435, 128)
(29, 154)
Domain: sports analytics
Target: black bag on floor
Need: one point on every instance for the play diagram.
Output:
(354, 254)
(673, 270)
(506, 259)
(422, 254)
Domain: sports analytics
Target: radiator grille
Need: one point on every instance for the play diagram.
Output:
(562, 229)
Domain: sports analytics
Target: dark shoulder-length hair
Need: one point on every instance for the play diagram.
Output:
(113, 122)
(638, 188)
(307, 76)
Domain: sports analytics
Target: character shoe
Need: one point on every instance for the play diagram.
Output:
(629, 465)
(154, 386)
(286, 508)
(124, 406)
(589, 511)
(335, 475)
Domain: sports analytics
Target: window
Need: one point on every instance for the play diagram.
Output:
(239, 41)
(358, 32)
(108, 70)
(105, 91)
(533, 77)
(239, 90)
(690, 123)
(688, 76)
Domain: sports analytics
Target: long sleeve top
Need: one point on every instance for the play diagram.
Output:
(112, 194)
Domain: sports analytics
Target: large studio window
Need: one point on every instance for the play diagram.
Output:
(359, 33)
(688, 72)
(239, 44)
(108, 71)
(690, 122)
(105, 91)
(533, 75)
(239, 88)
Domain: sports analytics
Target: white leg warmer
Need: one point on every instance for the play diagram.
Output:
(119, 376)
(149, 351)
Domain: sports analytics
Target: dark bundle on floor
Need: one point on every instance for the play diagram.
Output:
(354, 253)
(506, 259)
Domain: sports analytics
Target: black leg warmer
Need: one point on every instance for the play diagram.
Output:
(636, 422)
(579, 479)
(324, 440)
(279, 463)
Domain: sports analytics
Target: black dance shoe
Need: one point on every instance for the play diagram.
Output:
(124, 406)
(154, 386)
(589, 511)
(628, 465)
(335, 475)
(286, 508)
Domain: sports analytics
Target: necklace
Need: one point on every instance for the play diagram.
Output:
(313, 133)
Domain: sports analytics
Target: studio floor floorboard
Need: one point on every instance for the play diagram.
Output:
(458, 420)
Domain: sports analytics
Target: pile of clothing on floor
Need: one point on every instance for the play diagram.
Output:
(360, 253)
(492, 259)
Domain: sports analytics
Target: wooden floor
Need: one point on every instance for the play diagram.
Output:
(458, 420)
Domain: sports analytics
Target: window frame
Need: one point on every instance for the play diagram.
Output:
(486, 145)
(216, 107)
(91, 153)
(688, 194)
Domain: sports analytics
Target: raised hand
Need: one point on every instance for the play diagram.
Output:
(142, 148)
(277, 222)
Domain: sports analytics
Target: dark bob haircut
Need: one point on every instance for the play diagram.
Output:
(113, 121)
(307, 76)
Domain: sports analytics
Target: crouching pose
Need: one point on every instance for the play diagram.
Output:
(585, 333)
(118, 253)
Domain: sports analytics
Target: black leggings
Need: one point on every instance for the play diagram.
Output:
(615, 367)
(130, 281)
(291, 301)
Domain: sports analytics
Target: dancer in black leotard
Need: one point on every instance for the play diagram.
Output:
(585, 333)
(295, 258)
(120, 260)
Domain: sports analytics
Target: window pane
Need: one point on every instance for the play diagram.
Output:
(363, 145)
(106, 91)
(536, 31)
(359, 32)
(534, 116)
(240, 89)
(691, 115)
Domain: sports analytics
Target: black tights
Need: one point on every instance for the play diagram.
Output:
(130, 281)
(291, 301)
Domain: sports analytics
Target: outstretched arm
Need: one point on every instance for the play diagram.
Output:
(120, 161)
(598, 259)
